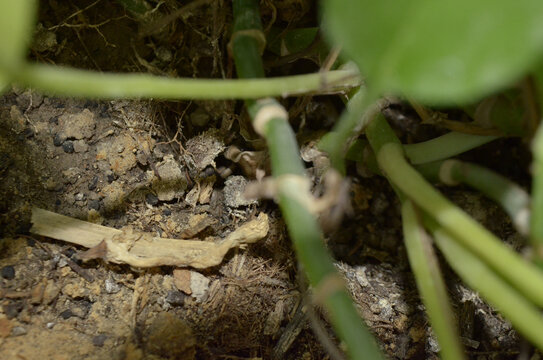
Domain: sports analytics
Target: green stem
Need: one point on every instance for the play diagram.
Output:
(536, 224)
(432, 289)
(293, 191)
(354, 118)
(524, 316)
(512, 198)
(523, 275)
(444, 147)
(64, 81)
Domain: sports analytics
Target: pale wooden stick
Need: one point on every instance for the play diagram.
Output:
(141, 249)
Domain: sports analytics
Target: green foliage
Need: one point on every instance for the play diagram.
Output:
(439, 52)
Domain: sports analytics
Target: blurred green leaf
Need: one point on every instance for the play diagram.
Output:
(438, 52)
(16, 27)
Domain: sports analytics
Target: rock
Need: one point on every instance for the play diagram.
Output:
(175, 298)
(68, 146)
(199, 286)
(99, 340)
(151, 199)
(181, 280)
(80, 146)
(172, 183)
(77, 126)
(8, 272)
(202, 150)
(18, 331)
(234, 188)
(112, 287)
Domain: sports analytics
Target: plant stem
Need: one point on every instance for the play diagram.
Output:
(432, 289)
(512, 198)
(524, 316)
(444, 147)
(521, 274)
(356, 116)
(64, 81)
(536, 224)
(270, 120)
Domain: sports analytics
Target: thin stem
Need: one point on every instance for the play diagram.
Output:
(536, 224)
(524, 316)
(444, 147)
(523, 275)
(270, 120)
(64, 81)
(512, 198)
(432, 289)
(353, 119)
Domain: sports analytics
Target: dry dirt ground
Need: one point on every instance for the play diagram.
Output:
(163, 168)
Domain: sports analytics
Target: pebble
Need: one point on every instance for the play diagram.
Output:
(93, 183)
(79, 197)
(66, 314)
(8, 272)
(199, 285)
(112, 287)
(94, 204)
(58, 139)
(99, 340)
(18, 331)
(175, 297)
(50, 325)
(12, 310)
(151, 199)
(68, 146)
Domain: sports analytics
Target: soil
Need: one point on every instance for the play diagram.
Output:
(162, 167)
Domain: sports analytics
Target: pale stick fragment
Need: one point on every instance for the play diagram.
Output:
(141, 249)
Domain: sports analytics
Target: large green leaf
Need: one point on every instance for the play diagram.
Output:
(438, 51)
(16, 27)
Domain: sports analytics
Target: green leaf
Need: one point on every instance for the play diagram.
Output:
(439, 52)
(16, 27)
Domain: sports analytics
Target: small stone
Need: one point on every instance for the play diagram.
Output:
(18, 331)
(151, 199)
(93, 183)
(8, 272)
(176, 298)
(68, 146)
(12, 310)
(172, 183)
(111, 177)
(166, 212)
(50, 325)
(94, 204)
(112, 287)
(234, 188)
(80, 146)
(79, 197)
(199, 285)
(78, 126)
(181, 280)
(66, 314)
(58, 139)
(99, 340)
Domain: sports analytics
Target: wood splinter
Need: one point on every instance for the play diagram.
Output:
(142, 249)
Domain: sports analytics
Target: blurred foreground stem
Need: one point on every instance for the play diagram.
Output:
(270, 120)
